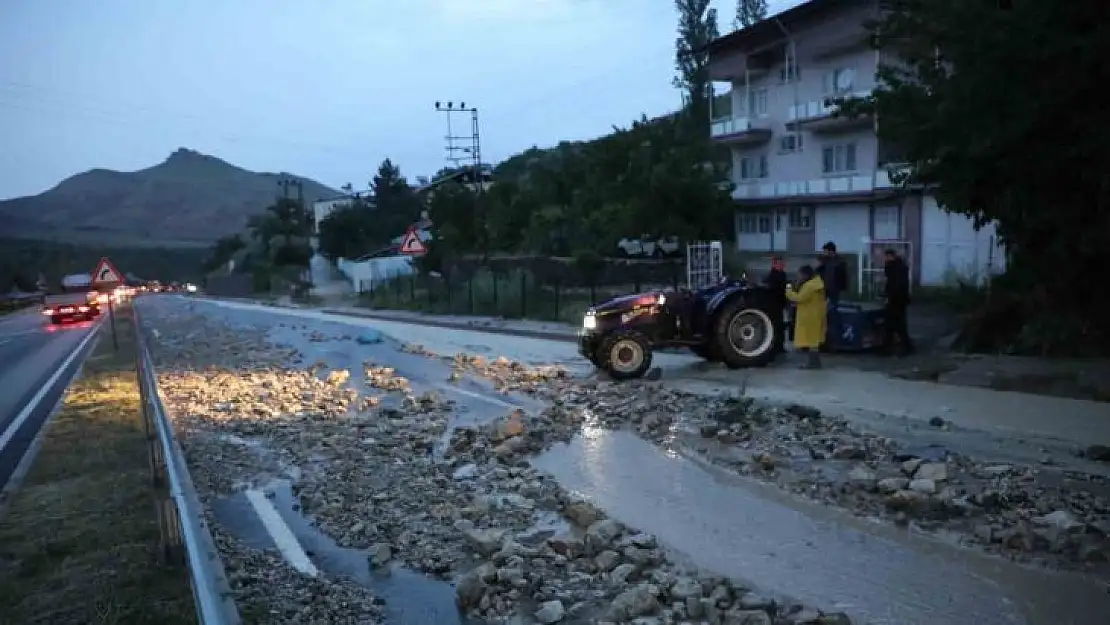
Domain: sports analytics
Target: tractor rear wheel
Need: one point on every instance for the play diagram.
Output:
(744, 333)
(625, 355)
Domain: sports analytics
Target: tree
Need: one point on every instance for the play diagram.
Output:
(1010, 132)
(396, 204)
(349, 231)
(697, 26)
(222, 251)
(749, 12)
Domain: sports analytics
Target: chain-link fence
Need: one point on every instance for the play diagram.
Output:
(513, 293)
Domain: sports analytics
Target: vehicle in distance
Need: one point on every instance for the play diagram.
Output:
(68, 307)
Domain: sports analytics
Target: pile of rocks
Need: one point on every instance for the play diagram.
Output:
(1022, 512)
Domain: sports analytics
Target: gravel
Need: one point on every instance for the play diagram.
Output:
(378, 467)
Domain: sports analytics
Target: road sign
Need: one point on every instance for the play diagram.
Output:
(106, 273)
(412, 245)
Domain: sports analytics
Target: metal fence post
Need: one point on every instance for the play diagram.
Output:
(523, 295)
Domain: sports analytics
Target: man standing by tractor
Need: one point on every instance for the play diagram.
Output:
(810, 315)
(776, 282)
(897, 293)
(834, 273)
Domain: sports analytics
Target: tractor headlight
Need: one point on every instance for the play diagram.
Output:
(589, 322)
(662, 300)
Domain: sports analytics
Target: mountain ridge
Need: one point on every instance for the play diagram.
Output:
(189, 197)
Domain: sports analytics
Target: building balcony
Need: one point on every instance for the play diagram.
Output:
(740, 131)
(883, 175)
(820, 115)
(839, 185)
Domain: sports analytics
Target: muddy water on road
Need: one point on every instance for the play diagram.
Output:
(876, 573)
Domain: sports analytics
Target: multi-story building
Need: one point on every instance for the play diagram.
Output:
(804, 176)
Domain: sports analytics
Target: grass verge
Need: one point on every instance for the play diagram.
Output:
(79, 542)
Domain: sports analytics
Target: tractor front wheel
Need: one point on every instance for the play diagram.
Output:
(625, 355)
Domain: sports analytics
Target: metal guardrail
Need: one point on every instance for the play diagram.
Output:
(185, 536)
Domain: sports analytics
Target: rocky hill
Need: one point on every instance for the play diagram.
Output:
(188, 199)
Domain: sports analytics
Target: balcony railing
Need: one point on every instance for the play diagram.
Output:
(740, 130)
(819, 109)
(730, 126)
(819, 186)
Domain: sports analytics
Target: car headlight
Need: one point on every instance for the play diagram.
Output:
(589, 322)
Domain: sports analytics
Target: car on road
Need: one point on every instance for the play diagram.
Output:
(68, 307)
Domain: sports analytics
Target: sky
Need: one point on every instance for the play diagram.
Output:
(320, 88)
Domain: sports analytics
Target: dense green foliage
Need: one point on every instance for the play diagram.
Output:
(656, 177)
(21, 262)
(1000, 109)
(749, 12)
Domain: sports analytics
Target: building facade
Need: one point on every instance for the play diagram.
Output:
(802, 174)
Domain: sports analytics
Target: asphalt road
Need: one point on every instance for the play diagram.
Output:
(37, 362)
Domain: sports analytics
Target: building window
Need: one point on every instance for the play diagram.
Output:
(757, 103)
(801, 218)
(748, 223)
(837, 159)
(839, 81)
(790, 142)
(753, 167)
(790, 71)
(764, 224)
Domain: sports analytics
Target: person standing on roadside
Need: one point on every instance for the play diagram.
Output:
(897, 294)
(834, 274)
(776, 281)
(810, 316)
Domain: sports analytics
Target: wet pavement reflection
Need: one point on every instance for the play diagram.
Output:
(877, 574)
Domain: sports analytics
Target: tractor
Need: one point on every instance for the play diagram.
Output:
(731, 321)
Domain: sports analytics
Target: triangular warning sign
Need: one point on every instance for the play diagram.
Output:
(412, 244)
(106, 273)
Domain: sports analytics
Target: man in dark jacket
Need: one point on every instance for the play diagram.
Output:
(897, 293)
(776, 281)
(834, 273)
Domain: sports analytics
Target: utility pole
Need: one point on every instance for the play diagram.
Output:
(458, 148)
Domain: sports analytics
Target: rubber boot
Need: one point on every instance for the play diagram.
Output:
(813, 359)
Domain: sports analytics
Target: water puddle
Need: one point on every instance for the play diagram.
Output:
(410, 598)
(879, 574)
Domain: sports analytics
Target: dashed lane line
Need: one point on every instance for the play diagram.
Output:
(279, 531)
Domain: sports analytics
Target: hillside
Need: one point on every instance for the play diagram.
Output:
(188, 199)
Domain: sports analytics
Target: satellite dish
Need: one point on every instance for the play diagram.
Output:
(844, 79)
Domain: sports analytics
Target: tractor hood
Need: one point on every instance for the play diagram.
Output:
(627, 302)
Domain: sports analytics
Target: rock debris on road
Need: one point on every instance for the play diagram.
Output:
(383, 468)
(378, 469)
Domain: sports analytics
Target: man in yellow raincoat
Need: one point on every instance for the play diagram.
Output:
(811, 314)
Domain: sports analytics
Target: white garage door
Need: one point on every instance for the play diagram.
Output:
(953, 251)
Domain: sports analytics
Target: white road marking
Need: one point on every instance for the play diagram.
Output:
(21, 418)
(283, 537)
(480, 397)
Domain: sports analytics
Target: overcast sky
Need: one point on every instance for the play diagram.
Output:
(320, 88)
